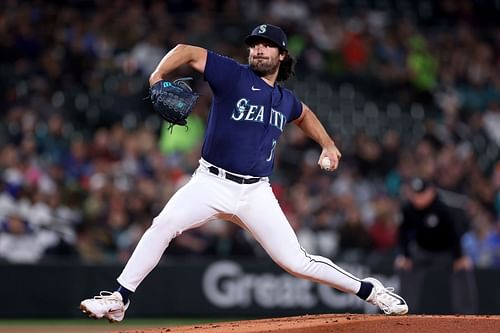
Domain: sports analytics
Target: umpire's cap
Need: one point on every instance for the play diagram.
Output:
(269, 32)
(419, 185)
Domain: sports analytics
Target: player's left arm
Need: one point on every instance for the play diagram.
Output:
(461, 261)
(312, 127)
(181, 54)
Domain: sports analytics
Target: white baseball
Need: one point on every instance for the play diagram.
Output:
(325, 163)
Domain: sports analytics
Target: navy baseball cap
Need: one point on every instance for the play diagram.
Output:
(418, 185)
(269, 32)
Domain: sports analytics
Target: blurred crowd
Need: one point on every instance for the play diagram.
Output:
(86, 165)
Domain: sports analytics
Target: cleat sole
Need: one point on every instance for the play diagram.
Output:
(86, 311)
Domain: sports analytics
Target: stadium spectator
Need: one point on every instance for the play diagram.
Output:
(75, 124)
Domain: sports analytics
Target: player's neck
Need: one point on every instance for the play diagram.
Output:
(270, 79)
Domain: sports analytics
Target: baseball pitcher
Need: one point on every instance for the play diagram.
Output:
(248, 114)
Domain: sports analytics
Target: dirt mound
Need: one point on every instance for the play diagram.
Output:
(347, 323)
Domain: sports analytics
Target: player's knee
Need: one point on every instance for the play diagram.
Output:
(294, 266)
(171, 224)
(168, 218)
(163, 225)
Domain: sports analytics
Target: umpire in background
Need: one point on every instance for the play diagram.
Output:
(430, 250)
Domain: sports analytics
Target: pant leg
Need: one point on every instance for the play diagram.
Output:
(411, 283)
(261, 214)
(464, 292)
(197, 202)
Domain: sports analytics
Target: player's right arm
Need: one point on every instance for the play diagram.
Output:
(182, 54)
(312, 127)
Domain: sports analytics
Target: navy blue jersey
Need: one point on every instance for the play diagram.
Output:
(246, 118)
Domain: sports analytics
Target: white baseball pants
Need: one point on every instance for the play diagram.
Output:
(252, 206)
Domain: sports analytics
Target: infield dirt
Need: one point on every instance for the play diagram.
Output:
(346, 323)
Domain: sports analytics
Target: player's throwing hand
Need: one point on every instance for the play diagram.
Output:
(329, 158)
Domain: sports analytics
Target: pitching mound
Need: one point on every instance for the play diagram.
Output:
(347, 323)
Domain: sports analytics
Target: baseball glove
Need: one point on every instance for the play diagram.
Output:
(173, 101)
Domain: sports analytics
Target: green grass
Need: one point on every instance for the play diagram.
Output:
(87, 325)
(131, 321)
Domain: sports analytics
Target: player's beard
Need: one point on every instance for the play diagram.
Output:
(264, 66)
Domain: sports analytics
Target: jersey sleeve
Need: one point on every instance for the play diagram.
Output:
(221, 72)
(296, 109)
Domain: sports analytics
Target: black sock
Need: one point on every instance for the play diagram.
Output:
(365, 290)
(125, 293)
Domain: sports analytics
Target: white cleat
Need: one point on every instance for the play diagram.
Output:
(107, 305)
(385, 298)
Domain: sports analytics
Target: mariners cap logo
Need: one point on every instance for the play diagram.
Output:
(270, 32)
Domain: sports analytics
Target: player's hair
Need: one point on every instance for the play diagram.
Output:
(287, 68)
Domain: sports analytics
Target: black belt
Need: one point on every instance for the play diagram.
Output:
(234, 178)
